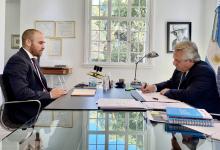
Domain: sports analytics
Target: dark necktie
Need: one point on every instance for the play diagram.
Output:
(36, 66)
(182, 78)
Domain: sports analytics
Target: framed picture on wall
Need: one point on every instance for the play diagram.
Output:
(15, 41)
(54, 46)
(47, 27)
(177, 32)
(65, 29)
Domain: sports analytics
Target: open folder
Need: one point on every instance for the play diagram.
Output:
(120, 104)
(83, 92)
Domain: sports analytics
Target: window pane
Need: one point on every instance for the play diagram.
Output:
(95, 10)
(137, 25)
(95, 35)
(95, 46)
(92, 139)
(122, 57)
(101, 125)
(103, 24)
(143, 12)
(112, 147)
(134, 12)
(103, 35)
(135, 2)
(103, 10)
(101, 139)
(92, 147)
(120, 139)
(92, 124)
(95, 2)
(95, 24)
(114, 57)
(121, 147)
(100, 147)
(112, 139)
(94, 56)
(92, 114)
(132, 139)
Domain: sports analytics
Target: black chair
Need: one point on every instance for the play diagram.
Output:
(6, 119)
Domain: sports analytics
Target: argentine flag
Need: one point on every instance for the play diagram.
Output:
(213, 52)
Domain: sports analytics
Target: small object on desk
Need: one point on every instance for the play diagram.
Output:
(60, 66)
(189, 116)
(120, 83)
(136, 84)
(83, 92)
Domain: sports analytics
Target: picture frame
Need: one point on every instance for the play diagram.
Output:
(65, 29)
(15, 41)
(54, 46)
(46, 27)
(177, 32)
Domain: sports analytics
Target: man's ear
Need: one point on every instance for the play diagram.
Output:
(28, 42)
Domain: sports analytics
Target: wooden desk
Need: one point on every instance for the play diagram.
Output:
(56, 70)
(68, 102)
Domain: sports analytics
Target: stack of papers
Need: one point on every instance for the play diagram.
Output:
(155, 97)
(162, 106)
(120, 104)
(83, 92)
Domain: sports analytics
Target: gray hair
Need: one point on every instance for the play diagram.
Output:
(190, 50)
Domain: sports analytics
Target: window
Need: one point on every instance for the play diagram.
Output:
(117, 31)
(115, 130)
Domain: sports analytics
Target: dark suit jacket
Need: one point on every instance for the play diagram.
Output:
(23, 83)
(198, 88)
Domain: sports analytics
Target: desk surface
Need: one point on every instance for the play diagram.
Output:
(74, 123)
(68, 102)
(100, 130)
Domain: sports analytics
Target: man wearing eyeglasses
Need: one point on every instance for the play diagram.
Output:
(193, 80)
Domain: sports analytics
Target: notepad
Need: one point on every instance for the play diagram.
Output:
(189, 116)
(83, 92)
(120, 104)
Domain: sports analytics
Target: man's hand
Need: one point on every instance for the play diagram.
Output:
(162, 92)
(148, 88)
(57, 92)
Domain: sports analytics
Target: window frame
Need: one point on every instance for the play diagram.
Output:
(148, 62)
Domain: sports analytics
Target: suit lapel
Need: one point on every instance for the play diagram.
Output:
(25, 55)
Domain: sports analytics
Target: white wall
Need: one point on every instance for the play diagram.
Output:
(2, 39)
(12, 21)
(2, 34)
(198, 12)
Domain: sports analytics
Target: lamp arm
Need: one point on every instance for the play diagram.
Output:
(135, 73)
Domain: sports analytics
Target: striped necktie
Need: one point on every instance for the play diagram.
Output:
(36, 66)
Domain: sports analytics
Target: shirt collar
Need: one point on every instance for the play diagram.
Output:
(29, 54)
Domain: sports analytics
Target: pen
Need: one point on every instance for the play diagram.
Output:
(155, 98)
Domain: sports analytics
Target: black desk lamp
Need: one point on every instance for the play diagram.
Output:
(135, 83)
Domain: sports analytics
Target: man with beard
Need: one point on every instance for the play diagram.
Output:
(23, 79)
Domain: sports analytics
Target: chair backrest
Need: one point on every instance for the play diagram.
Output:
(218, 79)
(3, 90)
(9, 108)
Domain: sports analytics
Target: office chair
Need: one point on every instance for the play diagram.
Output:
(7, 121)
